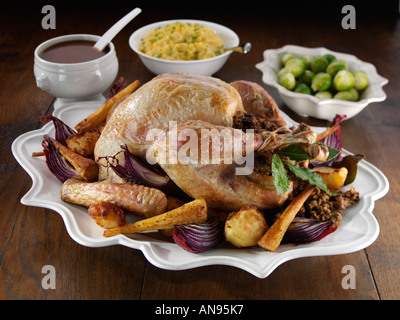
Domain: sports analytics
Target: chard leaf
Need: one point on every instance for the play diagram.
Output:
(279, 175)
(309, 176)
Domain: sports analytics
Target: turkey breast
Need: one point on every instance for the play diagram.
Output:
(168, 97)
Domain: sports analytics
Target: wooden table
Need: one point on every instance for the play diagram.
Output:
(34, 237)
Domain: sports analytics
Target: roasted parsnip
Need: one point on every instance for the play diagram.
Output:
(86, 168)
(272, 238)
(191, 212)
(100, 115)
(84, 142)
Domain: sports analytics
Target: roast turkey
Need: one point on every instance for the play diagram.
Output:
(174, 102)
(168, 97)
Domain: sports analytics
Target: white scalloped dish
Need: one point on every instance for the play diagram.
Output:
(308, 105)
(358, 230)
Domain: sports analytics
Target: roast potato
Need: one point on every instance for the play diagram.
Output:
(334, 177)
(245, 227)
(107, 215)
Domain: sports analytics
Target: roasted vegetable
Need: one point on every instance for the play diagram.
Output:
(172, 203)
(86, 168)
(334, 177)
(56, 163)
(351, 163)
(137, 171)
(272, 238)
(191, 212)
(245, 227)
(198, 237)
(62, 130)
(305, 230)
(107, 215)
(100, 115)
(83, 143)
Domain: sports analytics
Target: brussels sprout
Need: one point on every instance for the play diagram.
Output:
(321, 81)
(287, 56)
(287, 80)
(296, 66)
(349, 95)
(307, 59)
(303, 88)
(360, 80)
(335, 66)
(319, 64)
(329, 57)
(343, 80)
(283, 71)
(323, 95)
(307, 77)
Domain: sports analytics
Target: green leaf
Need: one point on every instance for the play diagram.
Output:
(293, 152)
(333, 153)
(309, 176)
(279, 175)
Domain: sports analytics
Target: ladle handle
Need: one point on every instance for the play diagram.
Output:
(117, 27)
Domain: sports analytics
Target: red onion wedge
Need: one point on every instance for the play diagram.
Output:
(137, 171)
(334, 141)
(56, 163)
(198, 237)
(117, 87)
(305, 230)
(63, 131)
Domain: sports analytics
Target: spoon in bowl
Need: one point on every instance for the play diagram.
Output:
(117, 27)
(243, 48)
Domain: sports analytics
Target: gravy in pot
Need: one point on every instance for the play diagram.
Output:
(72, 52)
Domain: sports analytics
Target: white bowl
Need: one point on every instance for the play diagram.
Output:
(204, 66)
(308, 105)
(71, 82)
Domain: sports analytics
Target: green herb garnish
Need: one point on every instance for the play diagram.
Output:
(309, 176)
(279, 175)
(293, 152)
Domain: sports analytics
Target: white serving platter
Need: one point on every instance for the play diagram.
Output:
(358, 229)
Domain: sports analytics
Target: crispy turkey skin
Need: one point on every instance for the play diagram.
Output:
(196, 102)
